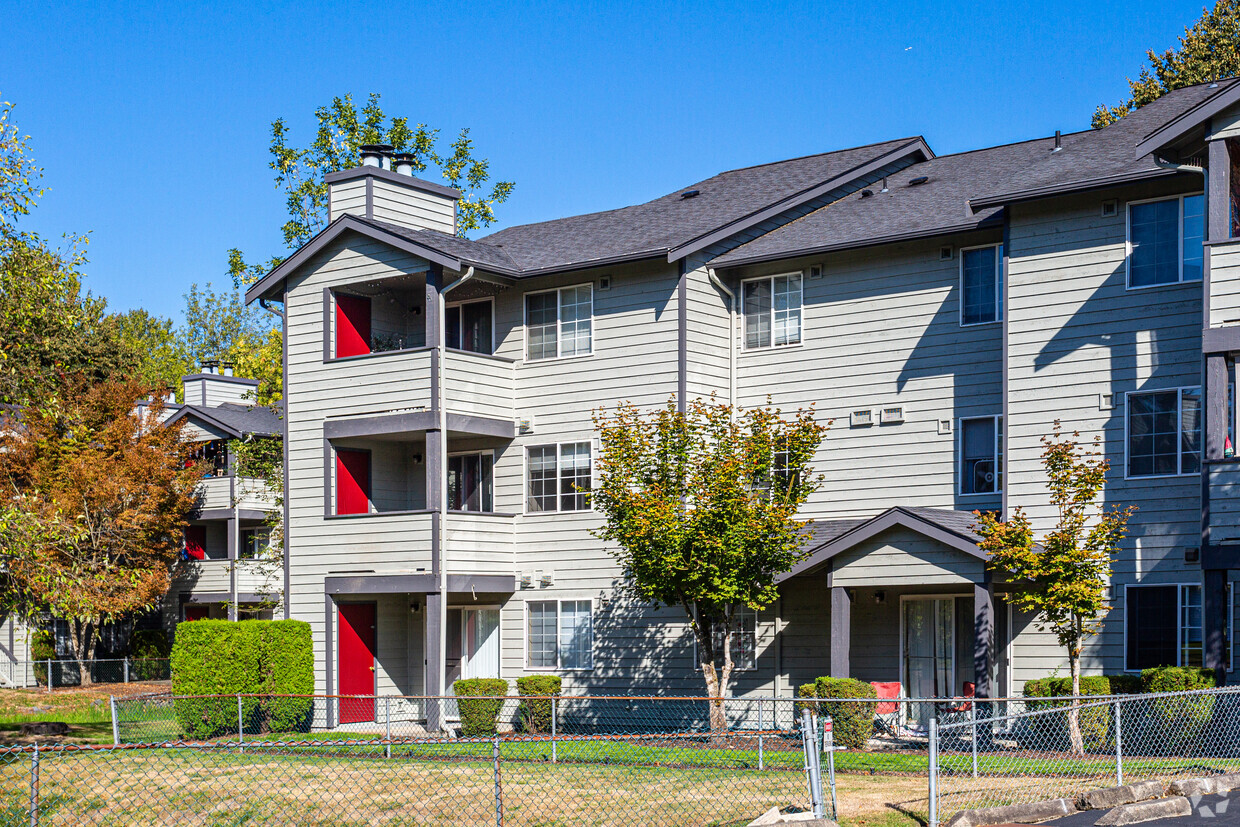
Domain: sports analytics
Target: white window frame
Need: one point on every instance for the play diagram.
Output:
(999, 458)
(1179, 424)
(491, 300)
(559, 608)
(1128, 285)
(490, 451)
(559, 322)
(559, 459)
(800, 342)
(998, 319)
(1179, 615)
(697, 667)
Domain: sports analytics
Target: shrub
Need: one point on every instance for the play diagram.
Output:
(806, 690)
(1095, 721)
(535, 712)
(853, 723)
(1126, 685)
(42, 649)
(220, 657)
(1177, 679)
(1180, 720)
(479, 715)
(148, 649)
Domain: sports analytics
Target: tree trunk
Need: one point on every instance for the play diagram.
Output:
(83, 633)
(1074, 713)
(702, 633)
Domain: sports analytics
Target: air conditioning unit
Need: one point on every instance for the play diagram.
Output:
(862, 418)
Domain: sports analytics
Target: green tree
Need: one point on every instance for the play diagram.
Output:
(19, 174)
(1208, 51)
(218, 325)
(160, 354)
(342, 131)
(1063, 580)
(701, 505)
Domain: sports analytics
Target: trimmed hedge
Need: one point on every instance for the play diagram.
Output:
(535, 709)
(1177, 679)
(1095, 721)
(42, 649)
(852, 723)
(147, 649)
(479, 716)
(259, 657)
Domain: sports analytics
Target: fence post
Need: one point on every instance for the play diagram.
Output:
(933, 820)
(240, 724)
(973, 727)
(387, 726)
(499, 789)
(116, 726)
(51, 679)
(1119, 747)
(813, 769)
(553, 728)
(126, 668)
(34, 787)
(829, 746)
(761, 755)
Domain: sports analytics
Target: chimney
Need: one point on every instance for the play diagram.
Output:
(384, 188)
(215, 385)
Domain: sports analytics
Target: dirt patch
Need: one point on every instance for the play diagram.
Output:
(22, 702)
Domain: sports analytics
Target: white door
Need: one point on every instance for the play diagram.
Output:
(480, 634)
(929, 643)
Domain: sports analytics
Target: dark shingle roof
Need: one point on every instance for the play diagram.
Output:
(241, 420)
(478, 253)
(942, 203)
(659, 225)
(957, 522)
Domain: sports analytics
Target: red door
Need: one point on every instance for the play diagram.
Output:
(357, 661)
(193, 612)
(352, 482)
(352, 326)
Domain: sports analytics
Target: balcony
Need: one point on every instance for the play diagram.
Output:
(217, 494)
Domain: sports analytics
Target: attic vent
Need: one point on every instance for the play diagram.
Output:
(689, 194)
(861, 419)
(918, 181)
(946, 253)
(815, 272)
(1110, 208)
(892, 416)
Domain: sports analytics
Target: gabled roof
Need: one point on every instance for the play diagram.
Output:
(1193, 121)
(671, 226)
(235, 420)
(675, 226)
(959, 193)
(832, 537)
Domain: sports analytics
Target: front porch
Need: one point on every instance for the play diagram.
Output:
(905, 598)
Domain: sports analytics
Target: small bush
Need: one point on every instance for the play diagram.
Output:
(853, 723)
(479, 715)
(42, 649)
(1095, 721)
(1180, 720)
(535, 710)
(221, 657)
(1177, 679)
(1126, 685)
(148, 649)
(806, 690)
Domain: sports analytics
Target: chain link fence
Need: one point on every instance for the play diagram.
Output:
(1063, 747)
(57, 674)
(344, 760)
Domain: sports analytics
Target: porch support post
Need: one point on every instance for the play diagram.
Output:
(1216, 405)
(841, 631)
(1214, 606)
(983, 636)
(433, 669)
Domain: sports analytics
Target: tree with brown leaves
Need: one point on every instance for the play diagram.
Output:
(95, 496)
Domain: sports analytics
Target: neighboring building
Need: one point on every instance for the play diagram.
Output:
(228, 567)
(942, 311)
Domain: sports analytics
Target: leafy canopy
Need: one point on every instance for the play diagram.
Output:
(342, 130)
(1208, 51)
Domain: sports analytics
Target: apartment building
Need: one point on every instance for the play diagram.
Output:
(228, 568)
(941, 311)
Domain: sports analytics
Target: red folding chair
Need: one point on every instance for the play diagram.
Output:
(887, 710)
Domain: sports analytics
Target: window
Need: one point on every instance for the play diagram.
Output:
(470, 482)
(559, 322)
(468, 326)
(255, 542)
(1164, 432)
(1165, 241)
(772, 311)
(744, 640)
(352, 325)
(981, 455)
(558, 477)
(981, 285)
(560, 634)
(1165, 626)
(214, 458)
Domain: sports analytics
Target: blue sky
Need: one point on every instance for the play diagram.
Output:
(151, 120)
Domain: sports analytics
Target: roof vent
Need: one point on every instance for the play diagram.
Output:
(919, 180)
(1058, 141)
(689, 194)
(867, 193)
(884, 189)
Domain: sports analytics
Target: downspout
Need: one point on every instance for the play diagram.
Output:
(441, 510)
(714, 279)
(266, 306)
